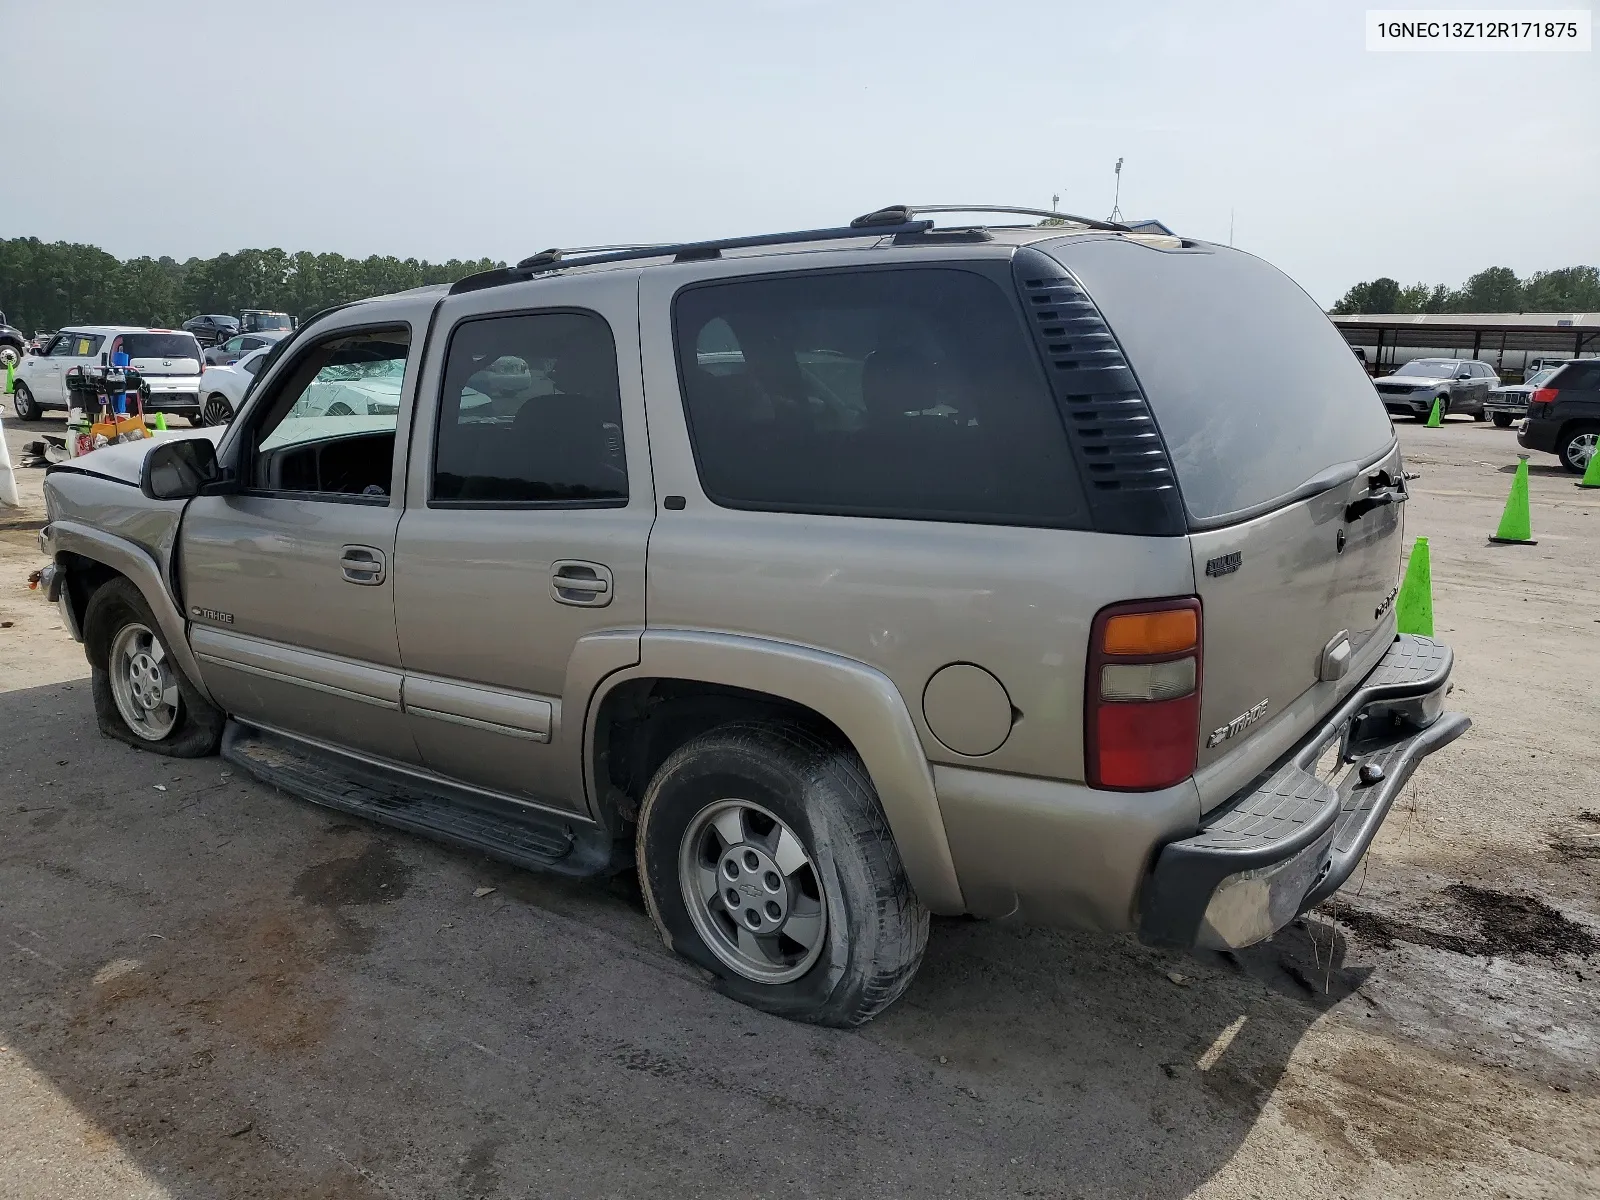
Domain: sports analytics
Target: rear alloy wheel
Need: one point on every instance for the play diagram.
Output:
(1502, 420)
(10, 356)
(24, 405)
(216, 410)
(766, 858)
(1578, 447)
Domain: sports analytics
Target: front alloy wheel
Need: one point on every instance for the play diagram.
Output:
(752, 891)
(142, 682)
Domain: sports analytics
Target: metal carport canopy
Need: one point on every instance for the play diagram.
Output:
(1566, 334)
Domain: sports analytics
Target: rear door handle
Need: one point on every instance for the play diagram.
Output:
(585, 584)
(362, 564)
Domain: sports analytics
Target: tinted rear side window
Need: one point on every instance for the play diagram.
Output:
(161, 345)
(531, 413)
(895, 393)
(1254, 389)
(1578, 377)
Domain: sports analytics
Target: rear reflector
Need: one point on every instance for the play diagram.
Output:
(1142, 695)
(1147, 746)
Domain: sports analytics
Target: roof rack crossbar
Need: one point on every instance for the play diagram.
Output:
(910, 212)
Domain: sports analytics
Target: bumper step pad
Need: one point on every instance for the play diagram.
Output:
(1293, 840)
(517, 834)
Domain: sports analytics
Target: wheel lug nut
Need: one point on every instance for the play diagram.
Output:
(773, 910)
(751, 862)
(772, 881)
(732, 897)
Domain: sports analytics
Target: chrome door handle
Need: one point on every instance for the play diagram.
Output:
(585, 584)
(362, 564)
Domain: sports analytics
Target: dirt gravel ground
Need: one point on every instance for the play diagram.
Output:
(213, 990)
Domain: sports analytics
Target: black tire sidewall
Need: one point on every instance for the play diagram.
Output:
(198, 731)
(742, 764)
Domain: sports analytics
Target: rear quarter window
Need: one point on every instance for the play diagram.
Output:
(160, 345)
(1579, 377)
(1253, 388)
(910, 393)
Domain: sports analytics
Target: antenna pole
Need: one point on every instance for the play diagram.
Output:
(1116, 203)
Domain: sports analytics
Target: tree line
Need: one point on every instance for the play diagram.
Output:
(48, 285)
(1494, 289)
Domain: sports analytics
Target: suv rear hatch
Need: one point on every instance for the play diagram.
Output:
(162, 357)
(1290, 477)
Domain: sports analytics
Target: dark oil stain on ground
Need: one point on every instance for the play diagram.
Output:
(374, 876)
(1505, 925)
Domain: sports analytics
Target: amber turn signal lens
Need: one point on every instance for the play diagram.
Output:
(1166, 632)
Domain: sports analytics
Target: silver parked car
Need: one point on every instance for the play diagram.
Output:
(828, 579)
(1458, 384)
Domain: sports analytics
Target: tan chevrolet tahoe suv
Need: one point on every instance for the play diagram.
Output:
(830, 579)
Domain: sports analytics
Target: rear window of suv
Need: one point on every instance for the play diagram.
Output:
(160, 345)
(910, 393)
(1255, 391)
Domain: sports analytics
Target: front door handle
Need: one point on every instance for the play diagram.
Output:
(585, 584)
(362, 564)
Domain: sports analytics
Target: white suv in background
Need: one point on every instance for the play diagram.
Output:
(168, 359)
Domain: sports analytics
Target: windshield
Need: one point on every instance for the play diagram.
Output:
(256, 322)
(160, 345)
(1429, 368)
(1539, 379)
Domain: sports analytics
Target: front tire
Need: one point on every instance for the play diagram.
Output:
(766, 858)
(24, 405)
(1578, 446)
(1502, 420)
(141, 696)
(10, 356)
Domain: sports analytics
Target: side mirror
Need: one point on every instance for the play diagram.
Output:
(1465, 375)
(178, 470)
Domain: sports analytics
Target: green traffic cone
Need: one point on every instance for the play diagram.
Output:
(11, 378)
(1433, 417)
(1516, 525)
(1591, 477)
(159, 420)
(1414, 608)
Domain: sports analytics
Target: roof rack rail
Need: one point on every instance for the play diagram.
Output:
(557, 259)
(899, 213)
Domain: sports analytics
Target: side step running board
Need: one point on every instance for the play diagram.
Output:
(518, 834)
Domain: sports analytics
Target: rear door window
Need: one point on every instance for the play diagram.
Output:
(531, 414)
(1253, 388)
(909, 393)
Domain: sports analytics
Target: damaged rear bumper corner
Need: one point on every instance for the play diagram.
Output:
(1293, 838)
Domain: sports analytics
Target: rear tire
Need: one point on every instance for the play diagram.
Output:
(141, 697)
(24, 405)
(825, 927)
(10, 356)
(1502, 420)
(1578, 445)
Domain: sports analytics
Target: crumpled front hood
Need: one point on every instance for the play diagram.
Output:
(122, 461)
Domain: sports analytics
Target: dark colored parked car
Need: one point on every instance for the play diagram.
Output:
(13, 345)
(225, 354)
(1564, 415)
(211, 328)
(1509, 402)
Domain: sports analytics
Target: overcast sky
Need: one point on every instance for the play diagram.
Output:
(471, 128)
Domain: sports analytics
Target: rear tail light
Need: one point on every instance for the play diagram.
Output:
(1142, 695)
(1543, 396)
